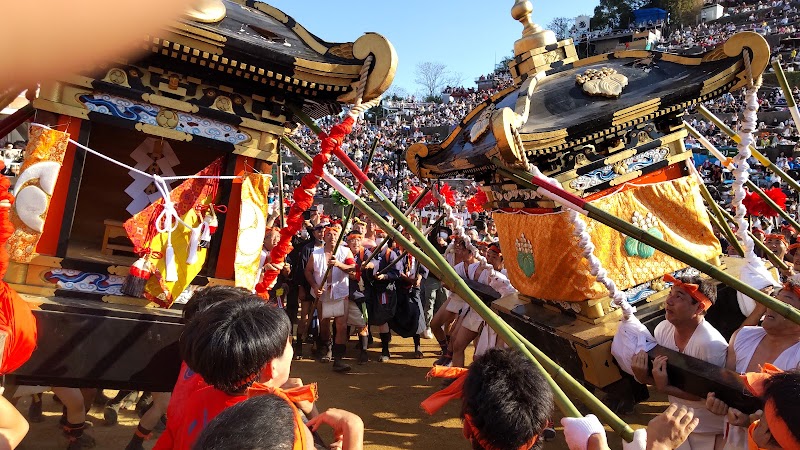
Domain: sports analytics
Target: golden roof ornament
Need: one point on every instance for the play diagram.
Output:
(206, 11)
(533, 36)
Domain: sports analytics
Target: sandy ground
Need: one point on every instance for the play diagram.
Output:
(385, 395)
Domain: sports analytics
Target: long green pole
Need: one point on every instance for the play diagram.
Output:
(451, 280)
(408, 211)
(772, 256)
(757, 154)
(749, 183)
(578, 204)
(405, 252)
(787, 93)
(448, 275)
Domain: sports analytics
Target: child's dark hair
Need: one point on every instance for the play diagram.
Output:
(229, 344)
(507, 398)
(204, 298)
(265, 422)
(707, 287)
(784, 390)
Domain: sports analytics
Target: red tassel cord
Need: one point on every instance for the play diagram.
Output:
(303, 199)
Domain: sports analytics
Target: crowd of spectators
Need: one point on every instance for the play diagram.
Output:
(779, 19)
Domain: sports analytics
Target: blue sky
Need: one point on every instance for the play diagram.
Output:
(468, 36)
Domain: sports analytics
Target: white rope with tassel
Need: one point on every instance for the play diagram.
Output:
(742, 171)
(619, 298)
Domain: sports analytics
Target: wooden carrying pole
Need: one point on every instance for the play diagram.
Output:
(448, 276)
(580, 205)
(757, 154)
(728, 163)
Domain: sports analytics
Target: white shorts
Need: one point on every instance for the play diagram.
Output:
(456, 304)
(354, 316)
(472, 321)
(333, 308)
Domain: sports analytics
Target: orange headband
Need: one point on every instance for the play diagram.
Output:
(775, 236)
(794, 246)
(291, 396)
(692, 289)
(333, 227)
(456, 390)
(756, 382)
(495, 248)
(795, 289)
(473, 434)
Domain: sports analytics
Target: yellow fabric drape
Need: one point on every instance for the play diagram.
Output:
(44, 155)
(559, 272)
(252, 228)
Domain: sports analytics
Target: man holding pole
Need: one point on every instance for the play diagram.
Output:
(332, 292)
(685, 330)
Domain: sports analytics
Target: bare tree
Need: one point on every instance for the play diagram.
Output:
(561, 26)
(432, 77)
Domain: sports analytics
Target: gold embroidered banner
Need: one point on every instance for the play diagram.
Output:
(34, 188)
(252, 228)
(544, 261)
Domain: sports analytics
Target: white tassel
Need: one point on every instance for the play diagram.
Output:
(205, 234)
(194, 243)
(171, 275)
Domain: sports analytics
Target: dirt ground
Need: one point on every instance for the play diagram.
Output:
(385, 395)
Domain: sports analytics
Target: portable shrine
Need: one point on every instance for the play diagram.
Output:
(206, 98)
(608, 129)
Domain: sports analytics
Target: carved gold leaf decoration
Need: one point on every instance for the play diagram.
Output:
(605, 82)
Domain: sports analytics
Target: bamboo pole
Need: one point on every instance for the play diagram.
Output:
(728, 163)
(405, 252)
(787, 93)
(757, 154)
(771, 256)
(451, 280)
(578, 204)
(448, 276)
(408, 211)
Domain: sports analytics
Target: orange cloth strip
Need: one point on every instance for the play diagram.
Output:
(303, 393)
(452, 392)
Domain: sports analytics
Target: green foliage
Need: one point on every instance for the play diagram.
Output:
(339, 199)
(613, 13)
(561, 26)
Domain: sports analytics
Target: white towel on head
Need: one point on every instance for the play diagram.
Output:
(758, 277)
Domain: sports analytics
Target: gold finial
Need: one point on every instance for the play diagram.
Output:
(532, 35)
(206, 11)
